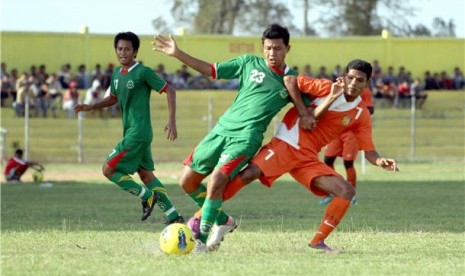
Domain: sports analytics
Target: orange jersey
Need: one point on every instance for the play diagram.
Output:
(346, 144)
(295, 151)
(340, 117)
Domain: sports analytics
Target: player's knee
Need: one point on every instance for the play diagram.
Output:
(348, 164)
(348, 191)
(251, 173)
(329, 160)
(107, 171)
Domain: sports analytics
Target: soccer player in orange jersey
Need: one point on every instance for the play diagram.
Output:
(346, 146)
(295, 150)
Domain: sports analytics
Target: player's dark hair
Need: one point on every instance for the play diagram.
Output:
(19, 151)
(360, 65)
(276, 31)
(129, 36)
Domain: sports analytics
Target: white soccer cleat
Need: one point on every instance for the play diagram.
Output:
(218, 232)
(200, 247)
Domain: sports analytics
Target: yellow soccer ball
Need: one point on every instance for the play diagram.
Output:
(177, 238)
(37, 176)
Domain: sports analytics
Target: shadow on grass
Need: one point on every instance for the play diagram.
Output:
(383, 206)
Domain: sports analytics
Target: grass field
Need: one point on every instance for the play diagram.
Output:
(407, 223)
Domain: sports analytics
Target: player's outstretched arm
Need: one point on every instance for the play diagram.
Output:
(168, 46)
(170, 128)
(106, 102)
(386, 163)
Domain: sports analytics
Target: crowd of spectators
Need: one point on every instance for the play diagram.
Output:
(396, 88)
(52, 92)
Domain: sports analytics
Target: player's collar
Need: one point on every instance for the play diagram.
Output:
(277, 70)
(340, 104)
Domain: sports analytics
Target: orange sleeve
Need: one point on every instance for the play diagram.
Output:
(315, 87)
(367, 97)
(363, 132)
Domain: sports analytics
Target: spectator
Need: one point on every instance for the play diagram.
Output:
(162, 73)
(403, 76)
(178, 81)
(97, 73)
(55, 96)
(16, 167)
(322, 73)
(82, 77)
(336, 73)
(107, 76)
(71, 98)
(13, 79)
(430, 82)
(64, 76)
(6, 88)
(94, 95)
(22, 88)
(3, 69)
(42, 74)
(390, 77)
(418, 90)
(403, 94)
(185, 73)
(458, 82)
(41, 99)
(445, 82)
(308, 70)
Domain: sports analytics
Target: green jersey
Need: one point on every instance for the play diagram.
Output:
(261, 96)
(133, 92)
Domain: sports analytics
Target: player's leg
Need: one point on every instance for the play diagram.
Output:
(349, 155)
(163, 201)
(343, 193)
(245, 177)
(121, 163)
(332, 151)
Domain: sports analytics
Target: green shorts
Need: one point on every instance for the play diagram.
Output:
(229, 154)
(130, 155)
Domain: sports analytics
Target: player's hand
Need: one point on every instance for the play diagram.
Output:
(171, 131)
(165, 45)
(307, 121)
(337, 88)
(388, 164)
(81, 107)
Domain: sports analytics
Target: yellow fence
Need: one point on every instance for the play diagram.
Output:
(22, 49)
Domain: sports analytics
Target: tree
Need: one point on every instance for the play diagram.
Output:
(230, 16)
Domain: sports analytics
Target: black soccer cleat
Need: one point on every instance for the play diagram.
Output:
(147, 205)
(178, 219)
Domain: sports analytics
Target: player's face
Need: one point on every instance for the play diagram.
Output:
(125, 52)
(356, 81)
(275, 52)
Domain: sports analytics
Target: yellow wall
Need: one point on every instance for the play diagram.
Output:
(21, 50)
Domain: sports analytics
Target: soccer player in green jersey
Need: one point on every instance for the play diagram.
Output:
(130, 87)
(239, 132)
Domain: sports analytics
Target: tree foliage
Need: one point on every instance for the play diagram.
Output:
(335, 17)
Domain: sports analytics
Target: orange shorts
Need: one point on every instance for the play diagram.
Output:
(278, 157)
(345, 146)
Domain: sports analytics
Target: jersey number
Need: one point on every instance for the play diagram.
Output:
(256, 76)
(359, 112)
(268, 156)
(116, 83)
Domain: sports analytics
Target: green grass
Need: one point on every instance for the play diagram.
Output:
(407, 223)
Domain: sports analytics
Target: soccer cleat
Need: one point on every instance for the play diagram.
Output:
(325, 248)
(354, 201)
(194, 225)
(200, 247)
(326, 200)
(178, 219)
(218, 232)
(147, 206)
